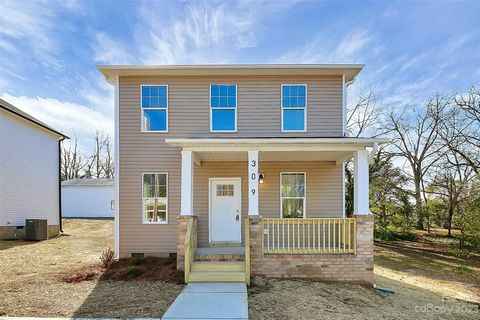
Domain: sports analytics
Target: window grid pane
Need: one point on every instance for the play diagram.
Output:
(223, 96)
(294, 96)
(154, 97)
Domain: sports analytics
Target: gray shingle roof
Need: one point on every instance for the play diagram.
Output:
(101, 182)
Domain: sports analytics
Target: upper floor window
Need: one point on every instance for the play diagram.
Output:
(155, 197)
(154, 102)
(223, 107)
(294, 106)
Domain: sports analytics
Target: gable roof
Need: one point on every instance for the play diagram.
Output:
(349, 70)
(22, 114)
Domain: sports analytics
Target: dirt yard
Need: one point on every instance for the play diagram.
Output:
(431, 280)
(33, 278)
(45, 279)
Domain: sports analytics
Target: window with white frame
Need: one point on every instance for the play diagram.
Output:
(155, 197)
(292, 194)
(154, 104)
(294, 107)
(223, 107)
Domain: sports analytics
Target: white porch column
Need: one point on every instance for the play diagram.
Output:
(253, 183)
(186, 208)
(361, 184)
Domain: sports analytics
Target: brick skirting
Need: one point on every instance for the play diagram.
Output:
(354, 268)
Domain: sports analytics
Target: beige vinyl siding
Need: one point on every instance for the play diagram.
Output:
(189, 117)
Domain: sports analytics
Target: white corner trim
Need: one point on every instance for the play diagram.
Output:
(116, 223)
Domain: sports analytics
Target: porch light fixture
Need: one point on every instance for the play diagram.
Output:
(261, 177)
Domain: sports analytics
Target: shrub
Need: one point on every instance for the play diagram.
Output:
(133, 271)
(391, 233)
(460, 253)
(107, 258)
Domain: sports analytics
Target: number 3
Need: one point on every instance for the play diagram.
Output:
(254, 163)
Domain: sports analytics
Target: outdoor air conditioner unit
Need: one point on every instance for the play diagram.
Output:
(36, 229)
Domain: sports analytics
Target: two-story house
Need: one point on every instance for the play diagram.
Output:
(239, 170)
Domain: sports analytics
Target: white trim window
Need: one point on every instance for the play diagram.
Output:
(294, 107)
(154, 106)
(292, 194)
(155, 198)
(223, 108)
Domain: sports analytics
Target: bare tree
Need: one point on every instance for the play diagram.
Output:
(73, 163)
(415, 138)
(100, 164)
(108, 161)
(450, 182)
(460, 128)
(363, 115)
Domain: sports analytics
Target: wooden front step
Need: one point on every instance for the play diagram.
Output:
(217, 271)
(216, 276)
(214, 266)
(220, 254)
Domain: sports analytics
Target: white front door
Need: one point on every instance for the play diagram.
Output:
(225, 210)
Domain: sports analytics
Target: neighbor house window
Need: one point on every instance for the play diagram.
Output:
(294, 106)
(292, 194)
(223, 107)
(154, 103)
(155, 198)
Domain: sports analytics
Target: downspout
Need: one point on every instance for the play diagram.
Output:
(372, 153)
(60, 184)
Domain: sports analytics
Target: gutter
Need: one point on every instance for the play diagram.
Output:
(60, 184)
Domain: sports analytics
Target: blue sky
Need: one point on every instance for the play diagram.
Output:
(49, 49)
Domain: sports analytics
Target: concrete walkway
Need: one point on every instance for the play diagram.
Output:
(210, 301)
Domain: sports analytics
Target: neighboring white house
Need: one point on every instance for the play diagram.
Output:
(88, 198)
(29, 172)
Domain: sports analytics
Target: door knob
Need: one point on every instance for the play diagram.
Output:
(237, 217)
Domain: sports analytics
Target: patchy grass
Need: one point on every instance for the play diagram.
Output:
(430, 278)
(304, 300)
(433, 263)
(63, 277)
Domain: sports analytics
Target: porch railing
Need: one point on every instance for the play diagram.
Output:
(189, 248)
(304, 236)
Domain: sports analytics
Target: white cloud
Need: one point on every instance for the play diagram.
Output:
(69, 118)
(189, 33)
(107, 50)
(325, 48)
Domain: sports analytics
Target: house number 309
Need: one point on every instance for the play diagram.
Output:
(253, 176)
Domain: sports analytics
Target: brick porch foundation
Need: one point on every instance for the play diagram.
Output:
(353, 268)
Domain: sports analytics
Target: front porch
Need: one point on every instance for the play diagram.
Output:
(239, 212)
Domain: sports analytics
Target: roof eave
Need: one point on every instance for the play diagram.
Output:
(349, 70)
